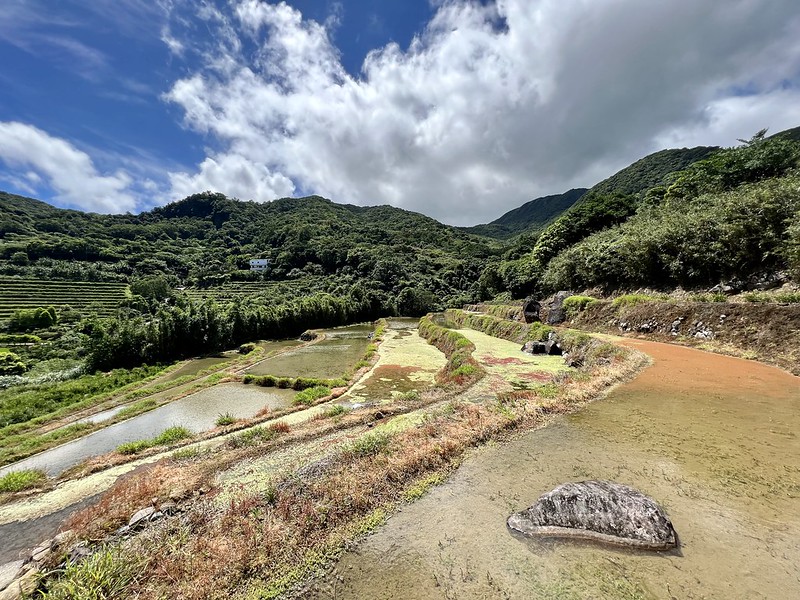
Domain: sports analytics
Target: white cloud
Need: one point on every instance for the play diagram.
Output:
(69, 171)
(490, 106)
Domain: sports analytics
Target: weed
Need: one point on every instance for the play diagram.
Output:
(335, 411)
(225, 419)
(17, 481)
(102, 576)
(165, 438)
(369, 444)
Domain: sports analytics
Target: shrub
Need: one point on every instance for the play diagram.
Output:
(17, 481)
(247, 348)
(632, 300)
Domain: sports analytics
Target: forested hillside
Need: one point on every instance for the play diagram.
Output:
(721, 214)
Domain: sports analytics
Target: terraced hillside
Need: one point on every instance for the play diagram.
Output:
(86, 296)
(237, 290)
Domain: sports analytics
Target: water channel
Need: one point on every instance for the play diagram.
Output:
(714, 439)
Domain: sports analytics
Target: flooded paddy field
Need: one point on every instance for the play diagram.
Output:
(712, 438)
(197, 412)
(329, 358)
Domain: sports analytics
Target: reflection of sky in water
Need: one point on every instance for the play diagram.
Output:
(197, 412)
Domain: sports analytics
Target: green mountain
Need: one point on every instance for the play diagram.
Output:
(529, 217)
(208, 240)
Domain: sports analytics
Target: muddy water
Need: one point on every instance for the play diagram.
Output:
(712, 438)
(197, 412)
(330, 358)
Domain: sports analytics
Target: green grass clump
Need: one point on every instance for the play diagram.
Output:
(369, 444)
(336, 410)
(575, 304)
(103, 575)
(225, 419)
(256, 435)
(165, 438)
(17, 481)
(632, 300)
(308, 396)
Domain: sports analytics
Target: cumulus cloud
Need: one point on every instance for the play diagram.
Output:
(491, 105)
(68, 171)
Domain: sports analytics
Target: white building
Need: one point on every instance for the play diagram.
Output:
(259, 264)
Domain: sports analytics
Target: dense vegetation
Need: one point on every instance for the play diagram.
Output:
(726, 214)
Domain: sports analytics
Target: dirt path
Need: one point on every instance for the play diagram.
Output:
(712, 438)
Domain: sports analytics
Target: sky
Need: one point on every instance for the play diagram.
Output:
(458, 109)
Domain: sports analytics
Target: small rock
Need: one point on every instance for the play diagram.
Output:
(63, 537)
(9, 572)
(557, 314)
(41, 552)
(308, 336)
(533, 348)
(156, 516)
(22, 587)
(123, 531)
(552, 348)
(530, 310)
(169, 508)
(140, 517)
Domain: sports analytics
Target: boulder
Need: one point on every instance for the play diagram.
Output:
(553, 348)
(308, 336)
(601, 511)
(534, 348)
(530, 310)
(556, 314)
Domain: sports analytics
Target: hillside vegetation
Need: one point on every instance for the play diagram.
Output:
(730, 215)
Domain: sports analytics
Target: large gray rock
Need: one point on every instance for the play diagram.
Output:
(556, 313)
(530, 310)
(601, 511)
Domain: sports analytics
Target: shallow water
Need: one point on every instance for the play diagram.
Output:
(712, 438)
(330, 358)
(197, 412)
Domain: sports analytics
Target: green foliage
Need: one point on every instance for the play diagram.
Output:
(103, 575)
(165, 438)
(256, 435)
(247, 348)
(312, 394)
(690, 242)
(455, 347)
(25, 402)
(18, 481)
(299, 384)
(10, 363)
(575, 304)
(28, 319)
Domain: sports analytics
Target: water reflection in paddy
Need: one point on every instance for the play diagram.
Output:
(197, 412)
(329, 358)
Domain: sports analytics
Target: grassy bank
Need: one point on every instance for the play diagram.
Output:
(461, 367)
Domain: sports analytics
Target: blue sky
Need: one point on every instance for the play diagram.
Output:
(459, 109)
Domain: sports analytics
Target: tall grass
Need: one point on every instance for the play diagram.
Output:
(17, 481)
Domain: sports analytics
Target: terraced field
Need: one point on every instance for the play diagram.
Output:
(86, 296)
(240, 289)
